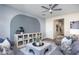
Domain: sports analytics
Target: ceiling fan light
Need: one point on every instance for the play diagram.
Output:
(50, 10)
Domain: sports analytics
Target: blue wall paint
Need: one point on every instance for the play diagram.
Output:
(8, 13)
(30, 24)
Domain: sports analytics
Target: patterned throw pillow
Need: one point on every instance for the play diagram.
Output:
(1, 40)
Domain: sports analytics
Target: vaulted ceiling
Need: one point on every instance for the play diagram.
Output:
(36, 10)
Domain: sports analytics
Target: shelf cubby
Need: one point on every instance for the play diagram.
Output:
(22, 39)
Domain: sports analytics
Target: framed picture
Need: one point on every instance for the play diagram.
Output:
(74, 24)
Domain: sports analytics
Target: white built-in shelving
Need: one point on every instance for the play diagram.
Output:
(22, 39)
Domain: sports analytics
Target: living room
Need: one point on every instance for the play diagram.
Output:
(24, 17)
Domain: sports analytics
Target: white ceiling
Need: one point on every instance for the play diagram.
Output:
(36, 10)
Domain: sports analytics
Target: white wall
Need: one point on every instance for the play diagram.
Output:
(6, 15)
(49, 28)
(67, 19)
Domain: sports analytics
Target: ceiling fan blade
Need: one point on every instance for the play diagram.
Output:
(44, 7)
(57, 9)
(54, 6)
(50, 4)
(43, 14)
(45, 11)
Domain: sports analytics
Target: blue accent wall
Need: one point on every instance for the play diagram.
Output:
(29, 24)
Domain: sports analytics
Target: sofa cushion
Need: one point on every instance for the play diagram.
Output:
(1, 40)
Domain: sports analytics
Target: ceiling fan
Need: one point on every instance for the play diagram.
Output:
(51, 8)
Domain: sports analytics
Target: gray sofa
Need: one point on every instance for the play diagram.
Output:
(75, 48)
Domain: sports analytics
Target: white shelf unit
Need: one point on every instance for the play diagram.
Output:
(22, 39)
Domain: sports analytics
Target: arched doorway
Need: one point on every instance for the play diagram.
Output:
(29, 24)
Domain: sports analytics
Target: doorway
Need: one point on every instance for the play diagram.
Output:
(58, 28)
